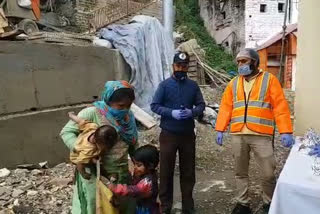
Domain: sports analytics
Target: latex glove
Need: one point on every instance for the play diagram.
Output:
(219, 139)
(315, 151)
(186, 113)
(287, 140)
(176, 114)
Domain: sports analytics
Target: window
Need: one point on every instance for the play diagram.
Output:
(263, 8)
(281, 7)
(224, 15)
(273, 60)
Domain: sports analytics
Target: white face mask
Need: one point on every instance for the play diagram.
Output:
(244, 70)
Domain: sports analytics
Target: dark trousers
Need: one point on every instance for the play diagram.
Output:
(169, 145)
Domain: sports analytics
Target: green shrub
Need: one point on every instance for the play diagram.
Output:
(189, 22)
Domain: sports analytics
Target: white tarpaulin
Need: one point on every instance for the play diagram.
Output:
(149, 51)
(25, 3)
(298, 189)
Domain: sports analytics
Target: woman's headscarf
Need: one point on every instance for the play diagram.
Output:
(126, 127)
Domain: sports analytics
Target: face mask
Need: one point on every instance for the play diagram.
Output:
(180, 75)
(244, 70)
(118, 114)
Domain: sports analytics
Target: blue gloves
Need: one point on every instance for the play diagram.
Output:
(186, 113)
(219, 139)
(287, 140)
(176, 114)
(181, 114)
(315, 151)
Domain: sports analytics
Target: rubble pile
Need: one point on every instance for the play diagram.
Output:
(40, 191)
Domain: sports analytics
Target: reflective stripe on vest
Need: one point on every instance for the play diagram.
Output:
(250, 119)
(263, 89)
(235, 89)
(260, 103)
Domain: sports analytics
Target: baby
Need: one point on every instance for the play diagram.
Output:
(92, 143)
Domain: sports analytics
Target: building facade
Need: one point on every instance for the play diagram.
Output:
(270, 55)
(236, 24)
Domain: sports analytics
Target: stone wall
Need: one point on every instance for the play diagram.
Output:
(84, 13)
(225, 22)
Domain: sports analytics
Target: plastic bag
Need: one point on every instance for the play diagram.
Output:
(103, 197)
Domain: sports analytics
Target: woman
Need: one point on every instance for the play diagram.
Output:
(113, 109)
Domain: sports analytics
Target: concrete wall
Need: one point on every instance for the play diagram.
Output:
(308, 75)
(37, 77)
(44, 75)
(34, 137)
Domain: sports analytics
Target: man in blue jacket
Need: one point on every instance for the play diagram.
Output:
(177, 100)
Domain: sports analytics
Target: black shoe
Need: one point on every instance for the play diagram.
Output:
(190, 211)
(241, 209)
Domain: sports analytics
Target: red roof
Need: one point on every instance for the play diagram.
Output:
(278, 36)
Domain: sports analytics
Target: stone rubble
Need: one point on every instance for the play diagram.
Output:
(41, 191)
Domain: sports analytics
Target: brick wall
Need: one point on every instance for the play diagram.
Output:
(288, 73)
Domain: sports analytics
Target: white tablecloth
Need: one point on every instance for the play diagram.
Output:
(298, 189)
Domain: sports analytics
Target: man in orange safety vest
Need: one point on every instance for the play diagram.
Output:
(251, 103)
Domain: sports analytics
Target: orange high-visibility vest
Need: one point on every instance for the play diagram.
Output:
(266, 103)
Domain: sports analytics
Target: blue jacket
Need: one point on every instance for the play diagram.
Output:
(172, 94)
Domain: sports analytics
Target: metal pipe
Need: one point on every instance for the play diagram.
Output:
(168, 15)
(282, 57)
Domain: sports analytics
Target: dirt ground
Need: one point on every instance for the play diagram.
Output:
(215, 186)
(49, 191)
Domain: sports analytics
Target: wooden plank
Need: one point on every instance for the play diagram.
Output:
(143, 117)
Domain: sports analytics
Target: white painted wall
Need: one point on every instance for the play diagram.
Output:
(307, 111)
(260, 26)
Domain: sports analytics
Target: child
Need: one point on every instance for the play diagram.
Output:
(92, 142)
(145, 181)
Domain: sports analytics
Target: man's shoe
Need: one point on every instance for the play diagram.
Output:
(241, 209)
(191, 211)
(264, 209)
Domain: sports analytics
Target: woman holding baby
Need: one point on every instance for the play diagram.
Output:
(112, 110)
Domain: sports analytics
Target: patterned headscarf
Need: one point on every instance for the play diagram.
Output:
(126, 127)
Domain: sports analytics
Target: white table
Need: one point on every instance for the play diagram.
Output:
(298, 189)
